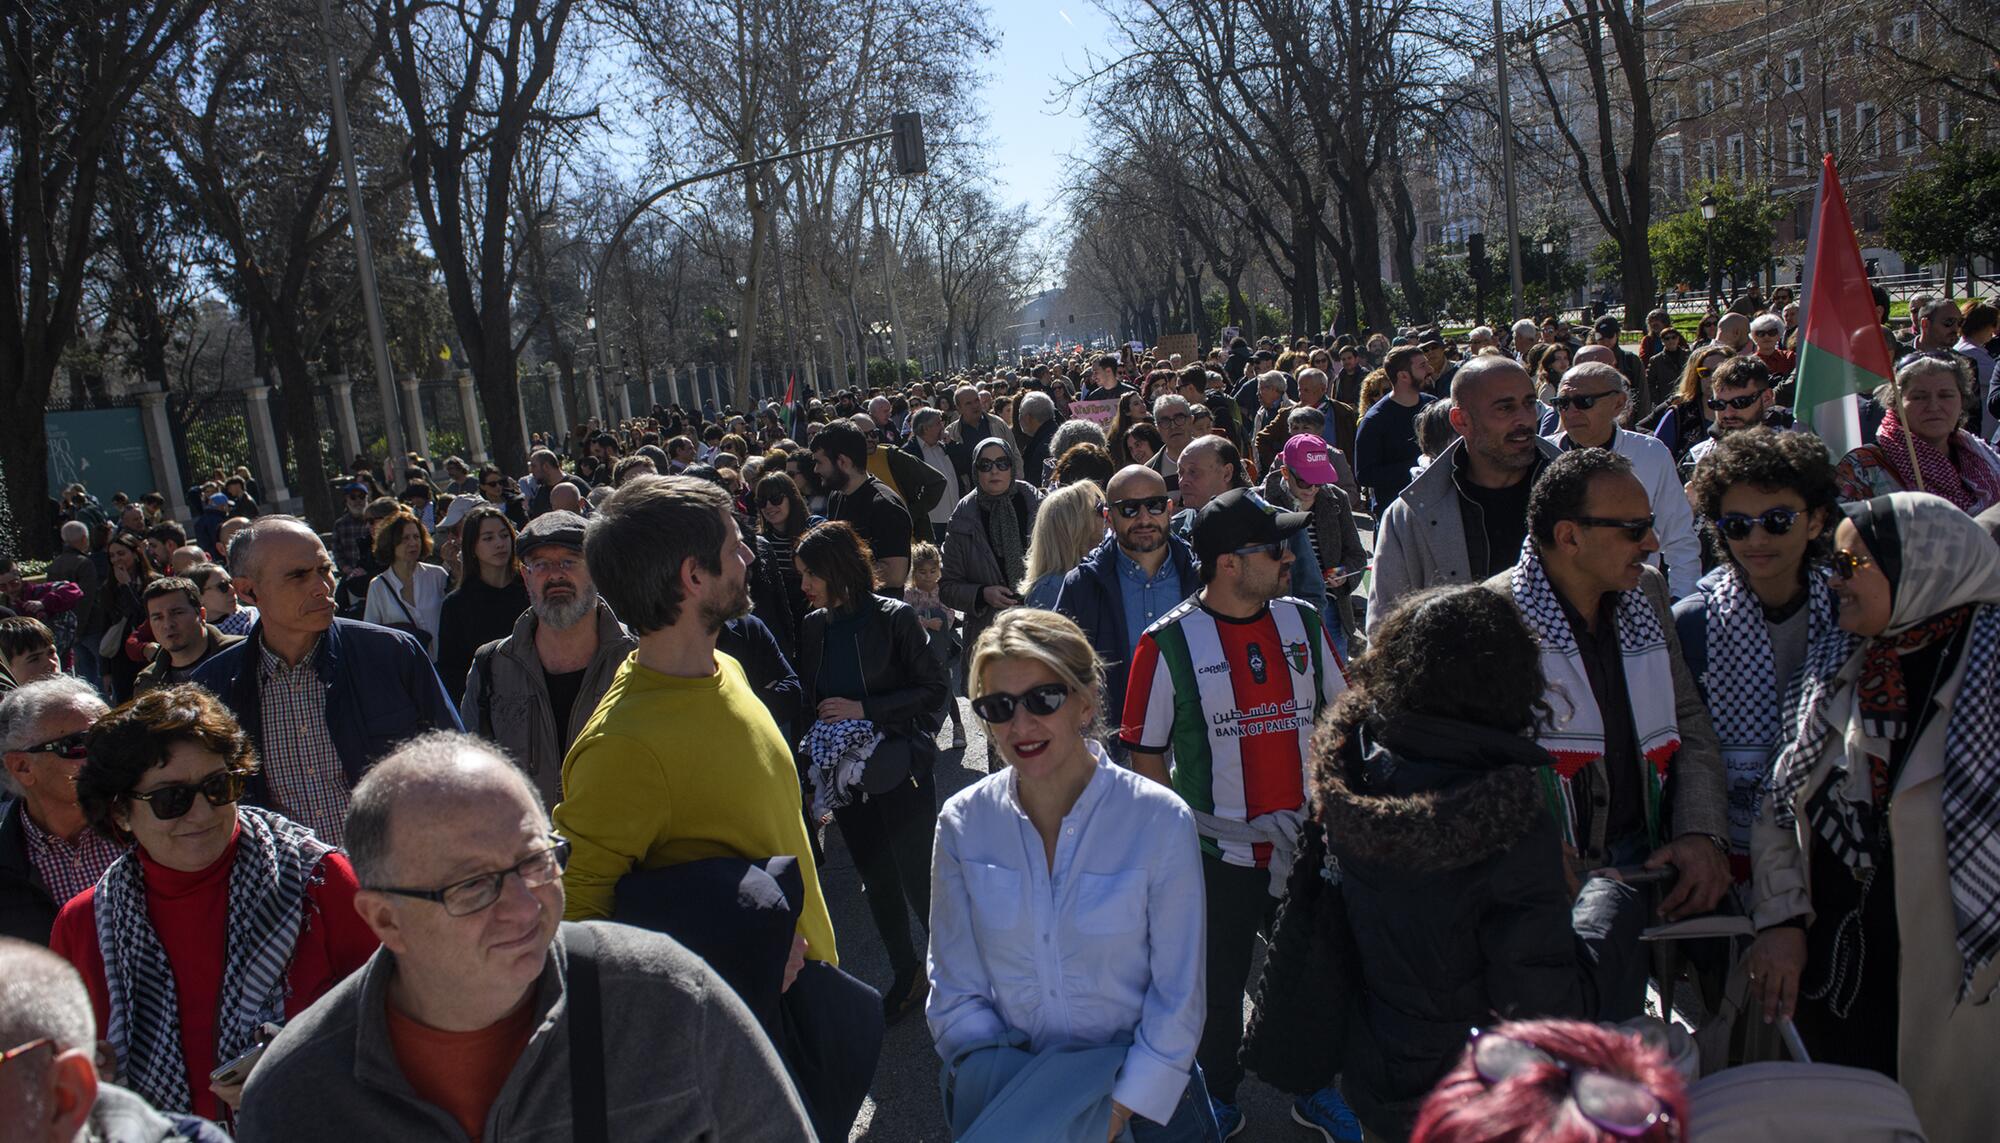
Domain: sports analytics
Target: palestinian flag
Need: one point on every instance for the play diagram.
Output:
(1842, 354)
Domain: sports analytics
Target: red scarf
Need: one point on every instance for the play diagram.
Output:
(1961, 475)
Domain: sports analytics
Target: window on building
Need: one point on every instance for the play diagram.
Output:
(1760, 79)
(1704, 97)
(1829, 125)
(1795, 71)
(1903, 33)
(1705, 160)
(1673, 172)
(1739, 159)
(1867, 131)
(1797, 147)
(1909, 129)
(1670, 39)
(1667, 112)
(1732, 89)
(1947, 121)
(1862, 42)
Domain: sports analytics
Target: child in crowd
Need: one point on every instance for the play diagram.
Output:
(27, 652)
(926, 570)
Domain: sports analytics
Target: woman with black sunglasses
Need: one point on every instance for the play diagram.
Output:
(876, 695)
(1769, 499)
(221, 917)
(1065, 843)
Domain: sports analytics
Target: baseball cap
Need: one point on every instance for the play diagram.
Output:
(461, 506)
(1239, 518)
(356, 486)
(1310, 459)
(218, 500)
(1606, 327)
(552, 529)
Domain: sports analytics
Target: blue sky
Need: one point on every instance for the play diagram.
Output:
(1041, 43)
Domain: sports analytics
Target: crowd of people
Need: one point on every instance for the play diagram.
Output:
(1438, 670)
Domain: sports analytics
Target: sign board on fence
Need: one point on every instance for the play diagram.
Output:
(1185, 344)
(1100, 411)
(104, 449)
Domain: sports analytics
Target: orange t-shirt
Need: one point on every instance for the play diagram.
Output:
(461, 1072)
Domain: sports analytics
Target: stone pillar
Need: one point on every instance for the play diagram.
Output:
(727, 392)
(596, 401)
(343, 413)
(468, 406)
(556, 402)
(414, 430)
(624, 397)
(673, 386)
(652, 393)
(264, 451)
(160, 450)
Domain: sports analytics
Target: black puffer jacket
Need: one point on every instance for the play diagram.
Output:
(1455, 893)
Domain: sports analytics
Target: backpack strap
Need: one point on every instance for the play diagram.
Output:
(589, 1114)
(482, 665)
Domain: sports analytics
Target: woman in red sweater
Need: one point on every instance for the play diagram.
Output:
(220, 918)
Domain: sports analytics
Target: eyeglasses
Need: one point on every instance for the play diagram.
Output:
(1583, 401)
(12, 1054)
(1846, 563)
(997, 464)
(997, 707)
(1739, 403)
(1274, 550)
(1151, 505)
(1736, 525)
(1626, 1108)
(1174, 420)
(69, 746)
(1635, 530)
(463, 898)
(170, 802)
(773, 500)
(550, 567)
(494, 483)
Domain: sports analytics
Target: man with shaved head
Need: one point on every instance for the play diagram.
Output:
(483, 1015)
(1465, 517)
(1135, 576)
(321, 697)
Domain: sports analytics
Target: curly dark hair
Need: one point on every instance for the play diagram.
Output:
(1770, 461)
(1745, 371)
(138, 737)
(1564, 486)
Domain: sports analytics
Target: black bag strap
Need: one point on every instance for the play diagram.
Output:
(482, 662)
(589, 1118)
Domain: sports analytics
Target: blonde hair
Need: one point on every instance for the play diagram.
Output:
(1068, 526)
(1373, 386)
(1046, 637)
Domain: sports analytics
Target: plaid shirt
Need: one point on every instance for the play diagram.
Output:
(300, 764)
(67, 868)
(351, 537)
(239, 621)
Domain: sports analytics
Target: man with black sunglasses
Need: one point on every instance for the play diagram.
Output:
(1741, 394)
(48, 852)
(1139, 573)
(1637, 762)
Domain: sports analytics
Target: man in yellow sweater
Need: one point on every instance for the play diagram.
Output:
(681, 761)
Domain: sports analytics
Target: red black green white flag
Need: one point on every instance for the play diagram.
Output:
(1842, 353)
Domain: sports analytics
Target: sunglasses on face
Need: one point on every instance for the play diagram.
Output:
(1151, 505)
(1635, 530)
(1736, 525)
(997, 707)
(463, 898)
(169, 802)
(1846, 563)
(1274, 550)
(1625, 1108)
(1738, 403)
(69, 746)
(489, 483)
(996, 464)
(1583, 401)
(773, 500)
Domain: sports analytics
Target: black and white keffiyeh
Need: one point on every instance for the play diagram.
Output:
(837, 754)
(1971, 798)
(1744, 692)
(276, 861)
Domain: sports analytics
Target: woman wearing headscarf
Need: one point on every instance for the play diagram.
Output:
(1874, 856)
(986, 544)
(1922, 445)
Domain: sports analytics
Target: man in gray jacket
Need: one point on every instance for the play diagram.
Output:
(1464, 517)
(532, 692)
(476, 1016)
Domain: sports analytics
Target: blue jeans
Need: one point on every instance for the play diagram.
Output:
(1193, 1121)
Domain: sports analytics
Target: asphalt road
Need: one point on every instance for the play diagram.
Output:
(903, 1104)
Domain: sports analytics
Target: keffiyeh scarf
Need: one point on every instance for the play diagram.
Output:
(1963, 475)
(1971, 794)
(1744, 694)
(276, 861)
(837, 755)
(1574, 731)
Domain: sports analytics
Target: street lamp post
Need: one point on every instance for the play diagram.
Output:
(1714, 274)
(1549, 267)
(596, 357)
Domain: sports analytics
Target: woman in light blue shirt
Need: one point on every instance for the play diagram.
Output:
(1066, 952)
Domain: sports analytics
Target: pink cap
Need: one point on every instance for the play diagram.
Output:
(1310, 459)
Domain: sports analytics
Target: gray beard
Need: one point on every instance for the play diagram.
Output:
(563, 616)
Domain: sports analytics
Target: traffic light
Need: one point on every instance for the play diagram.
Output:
(906, 142)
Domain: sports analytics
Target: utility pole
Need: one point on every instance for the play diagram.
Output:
(364, 258)
(1507, 161)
